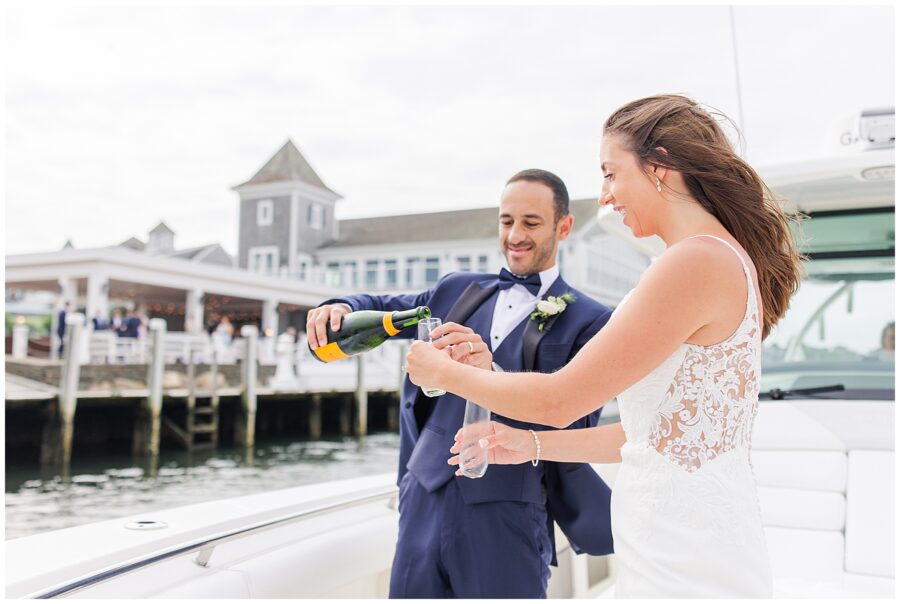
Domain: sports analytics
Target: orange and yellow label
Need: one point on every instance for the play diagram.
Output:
(389, 325)
(330, 352)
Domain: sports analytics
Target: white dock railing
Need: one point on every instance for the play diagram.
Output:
(383, 366)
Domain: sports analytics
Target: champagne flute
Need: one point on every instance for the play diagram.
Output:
(473, 459)
(425, 328)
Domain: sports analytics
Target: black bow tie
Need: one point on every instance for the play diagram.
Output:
(532, 282)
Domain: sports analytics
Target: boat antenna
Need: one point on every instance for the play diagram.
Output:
(737, 68)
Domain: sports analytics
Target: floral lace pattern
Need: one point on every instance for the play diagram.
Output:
(710, 406)
(712, 401)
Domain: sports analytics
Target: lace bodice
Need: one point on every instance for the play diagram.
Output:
(700, 402)
(685, 511)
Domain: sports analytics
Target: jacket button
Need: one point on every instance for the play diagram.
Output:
(408, 404)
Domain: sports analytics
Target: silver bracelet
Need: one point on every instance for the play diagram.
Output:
(537, 447)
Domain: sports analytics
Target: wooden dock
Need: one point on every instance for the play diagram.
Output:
(23, 390)
(192, 393)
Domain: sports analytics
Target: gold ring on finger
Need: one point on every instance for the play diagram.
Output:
(471, 348)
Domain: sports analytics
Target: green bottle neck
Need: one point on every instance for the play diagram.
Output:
(408, 318)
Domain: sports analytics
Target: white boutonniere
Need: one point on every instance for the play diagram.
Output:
(553, 305)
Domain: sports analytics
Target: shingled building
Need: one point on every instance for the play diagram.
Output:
(288, 228)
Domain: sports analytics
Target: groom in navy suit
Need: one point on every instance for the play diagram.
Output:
(492, 537)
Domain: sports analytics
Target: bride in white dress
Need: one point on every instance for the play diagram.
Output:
(681, 353)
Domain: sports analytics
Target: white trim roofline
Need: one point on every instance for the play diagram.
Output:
(285, 187)
(129, 265)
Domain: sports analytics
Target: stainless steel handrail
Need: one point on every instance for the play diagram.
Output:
(205, 545)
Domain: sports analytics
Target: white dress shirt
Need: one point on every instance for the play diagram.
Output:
(516, 303)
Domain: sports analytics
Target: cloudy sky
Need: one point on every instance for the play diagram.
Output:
(118, 117)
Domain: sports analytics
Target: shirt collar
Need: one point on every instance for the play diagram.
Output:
(547, 278)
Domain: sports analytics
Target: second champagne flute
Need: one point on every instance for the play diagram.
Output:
(425, 328)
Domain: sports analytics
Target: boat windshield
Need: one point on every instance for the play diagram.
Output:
(839, 329)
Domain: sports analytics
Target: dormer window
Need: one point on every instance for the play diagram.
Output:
(264, 212)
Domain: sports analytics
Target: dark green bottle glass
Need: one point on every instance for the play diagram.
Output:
(364, 330)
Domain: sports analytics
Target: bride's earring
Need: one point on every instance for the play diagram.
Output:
(658, 185)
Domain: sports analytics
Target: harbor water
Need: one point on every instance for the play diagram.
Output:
(105, 486)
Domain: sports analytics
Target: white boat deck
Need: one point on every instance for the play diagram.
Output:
(824, 469)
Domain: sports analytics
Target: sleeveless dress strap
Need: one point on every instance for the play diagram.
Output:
(751, 289)
(733, 249)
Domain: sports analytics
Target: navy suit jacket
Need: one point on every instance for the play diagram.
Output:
(577, 499)
(61, 324)
(130, 327)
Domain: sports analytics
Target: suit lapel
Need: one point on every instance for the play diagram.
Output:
(468, 302)
(532, 336)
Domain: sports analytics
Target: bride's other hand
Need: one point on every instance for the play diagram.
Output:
(505, 446)
(424, 364)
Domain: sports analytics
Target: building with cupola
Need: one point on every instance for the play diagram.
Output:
(288, 228)
(293, 252)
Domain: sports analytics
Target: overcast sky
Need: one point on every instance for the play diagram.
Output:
(120, 117)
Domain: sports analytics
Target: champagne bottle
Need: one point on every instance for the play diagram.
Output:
(364, 330)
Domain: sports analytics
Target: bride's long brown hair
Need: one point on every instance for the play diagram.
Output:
(675, 132)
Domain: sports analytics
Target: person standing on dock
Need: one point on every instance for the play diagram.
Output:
(486, 538)
(131, 327)
(61, 326)
(99, 322)
(116, 325)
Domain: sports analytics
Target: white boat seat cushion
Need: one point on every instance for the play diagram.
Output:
(865, 586)
(805, 554)
(845, 587)
(782, 426)
(804, 509)
(870, 513)
(816, 470)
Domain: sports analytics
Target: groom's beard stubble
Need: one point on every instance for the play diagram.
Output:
(540, 260)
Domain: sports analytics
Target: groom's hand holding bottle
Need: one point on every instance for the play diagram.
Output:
(318, 319)
(465, 346)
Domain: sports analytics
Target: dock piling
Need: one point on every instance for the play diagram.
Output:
(60, 421)
(245, 426)
(393, 417)
(147, 426)
(191, 383)
(345, 406)
(20, 339)
(362, 399)
(315, 416)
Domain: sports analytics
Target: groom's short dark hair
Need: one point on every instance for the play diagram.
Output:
(554, 182)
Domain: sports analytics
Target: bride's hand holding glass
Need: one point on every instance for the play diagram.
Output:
(505, 446)
(426, 364)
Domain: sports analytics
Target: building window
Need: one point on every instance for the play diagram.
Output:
(316, 216)
(413, 272)
(264, 212)
(263, 260)
(371, 273)
(432, 270)
(350, 275)
(482, 264)
(390, 273)
(301, 271)
(464, 263)
(333, 274)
